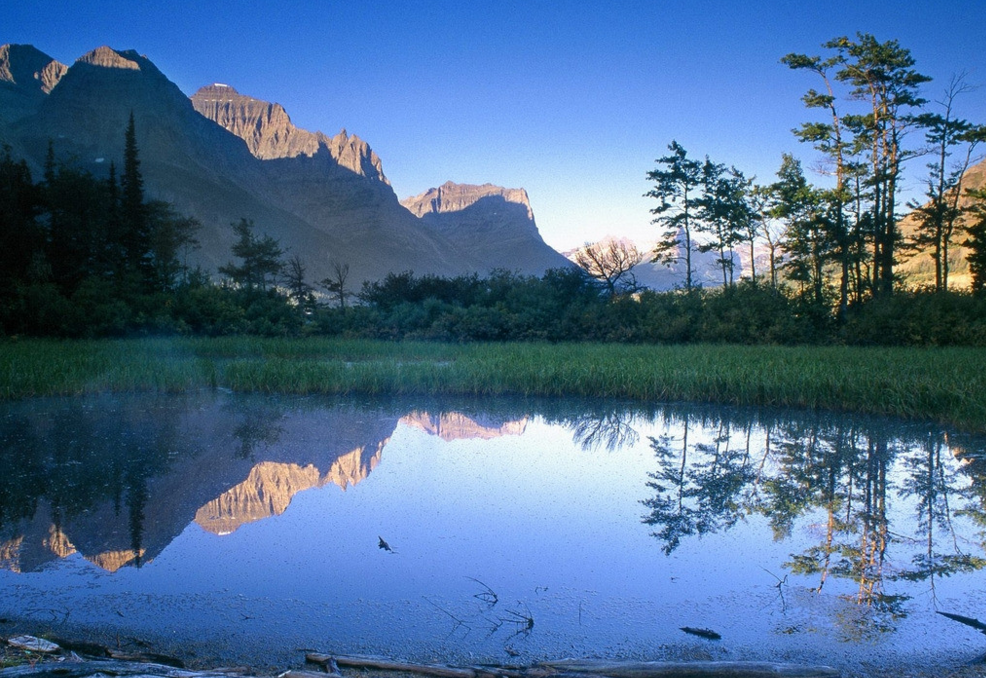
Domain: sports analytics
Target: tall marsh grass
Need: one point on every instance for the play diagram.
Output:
(946, 385)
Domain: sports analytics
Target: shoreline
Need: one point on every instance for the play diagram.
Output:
(945, 386)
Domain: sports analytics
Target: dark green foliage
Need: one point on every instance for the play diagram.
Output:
(976, 241)
(260, 258)
(22, 238)
(135, 229)
(918, 319)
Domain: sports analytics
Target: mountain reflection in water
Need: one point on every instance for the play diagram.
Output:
(611, 525)
(116, 479)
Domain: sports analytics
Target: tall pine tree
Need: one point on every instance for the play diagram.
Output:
(135, 238)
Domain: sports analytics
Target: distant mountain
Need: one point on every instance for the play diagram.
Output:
(658, 277)
(919, 268)
(491, 219)
(221, 156)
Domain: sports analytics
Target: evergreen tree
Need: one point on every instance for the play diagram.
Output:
(676, 187)
(135, 238)
(882, 76)
(172, 236)
(723, 213)
(260, 257)
(22, 240)
(937, 217)
(806, 241)
(976, 240)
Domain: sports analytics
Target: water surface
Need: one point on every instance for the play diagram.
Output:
(241, 528)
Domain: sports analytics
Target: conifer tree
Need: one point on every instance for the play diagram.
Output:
(676, 186)
(260, 257)
(135, 237)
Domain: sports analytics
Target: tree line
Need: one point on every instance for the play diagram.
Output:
(840, 245)
(85, 256)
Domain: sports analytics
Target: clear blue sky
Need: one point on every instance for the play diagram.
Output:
(571, 100)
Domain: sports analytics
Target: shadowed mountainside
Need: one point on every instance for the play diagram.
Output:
(222, 156)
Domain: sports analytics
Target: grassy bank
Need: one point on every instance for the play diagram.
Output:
(946, 385)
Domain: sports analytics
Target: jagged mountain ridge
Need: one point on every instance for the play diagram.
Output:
(270, 134)
(323, 198)
(27, 75)
(490, 218)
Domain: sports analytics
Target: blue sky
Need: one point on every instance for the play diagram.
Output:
(571, 100)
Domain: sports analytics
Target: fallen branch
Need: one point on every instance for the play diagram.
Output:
(72, 669)
(712, 669)
(389, 665)
(968, 621)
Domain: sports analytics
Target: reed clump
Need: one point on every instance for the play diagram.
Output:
(942, 384)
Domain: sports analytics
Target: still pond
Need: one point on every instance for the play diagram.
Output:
(232, 528)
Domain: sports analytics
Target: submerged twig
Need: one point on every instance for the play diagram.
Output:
(488, 596)
(708, 634)
(458, 622)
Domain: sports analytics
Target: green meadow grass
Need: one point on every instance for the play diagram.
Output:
(945, 385)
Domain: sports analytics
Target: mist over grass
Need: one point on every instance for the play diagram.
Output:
(946, 385)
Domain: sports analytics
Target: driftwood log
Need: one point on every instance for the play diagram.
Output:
(384, 664)
(703, 669)
(593, 669)
(86, 669)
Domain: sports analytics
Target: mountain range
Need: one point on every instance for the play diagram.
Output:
(221, 156)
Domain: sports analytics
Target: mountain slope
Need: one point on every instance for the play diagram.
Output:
(27, 75)
(323, 198)
(496, 221)
(919, 269)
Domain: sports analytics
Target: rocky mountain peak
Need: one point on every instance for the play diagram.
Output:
(452, 197)
(107, 57)
(28, 68)
(269, 133)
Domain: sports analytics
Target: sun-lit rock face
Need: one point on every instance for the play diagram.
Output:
(10, 554)
(452, 197)
(107, 57)
(270, 487)
(495, 221)
(353, 468)
(27, 76)
(58, 543)
(266, 492)
(451, 426)
(28, 68)
(269, 133)
(111, 561)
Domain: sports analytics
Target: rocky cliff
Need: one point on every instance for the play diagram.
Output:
(269, 133)
(270, 487)
(222, 156)
(27, 75)
(220, 464)
(491, 219)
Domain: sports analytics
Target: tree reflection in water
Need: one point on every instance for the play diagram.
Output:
(846, 476)
(608, 428)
